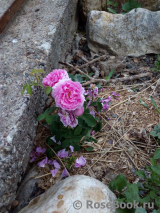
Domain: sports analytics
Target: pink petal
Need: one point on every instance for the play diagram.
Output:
(54, 172)
(56, 164)
(40, 150)
(80, 162)
(71, 148)
(43, 162)
(64, 173)
(62, 153)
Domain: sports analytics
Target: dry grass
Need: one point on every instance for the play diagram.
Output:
(124, 144)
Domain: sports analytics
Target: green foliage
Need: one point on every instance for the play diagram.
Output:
(70, 162)
(156, 131)
(110, 74)
(129, 192)
(157, 64)
(36, 73)
(112, 4)
(154, 103)
(143, 103)
(130, 5)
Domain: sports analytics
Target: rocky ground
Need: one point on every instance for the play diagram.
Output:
(124, 144)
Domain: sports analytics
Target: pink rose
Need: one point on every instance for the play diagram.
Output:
(68, 95)
(54, 77)
(79, 111)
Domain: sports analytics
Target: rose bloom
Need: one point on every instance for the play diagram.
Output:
(54, 77)
(68, 95)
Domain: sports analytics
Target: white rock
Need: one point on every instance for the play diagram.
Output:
(89, 5)
(134, 34)
(71, 195)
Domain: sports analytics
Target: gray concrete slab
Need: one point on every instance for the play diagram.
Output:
(38, 37)
(4, 5)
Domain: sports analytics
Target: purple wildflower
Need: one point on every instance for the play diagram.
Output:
(92, 133)
(54, 172)
(65, 173)
(114, 94)
(71, 148)
(40, 150)
(105, 107)
(62, 153)
(43, 162)
(92, 112)
(117, 98)
(55, 163)
(80, 162)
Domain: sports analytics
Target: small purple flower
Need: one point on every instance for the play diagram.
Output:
(88, 104)
(54, 172)
(55, 163)
(117, 98)
(95, 92)
(101, 101)
(80, 162)
(33, 159)
(65, 173)
(71, 148)
(92, 112)
(102, 89)
(105, 107)
(40, 150)
(62, 153)
(92, 133)
(43, 162)
(73, 120)
(114, 94)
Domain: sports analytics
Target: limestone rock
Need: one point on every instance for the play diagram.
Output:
(115, 63)
(147, 4)
(71, 195)
(89, 5)
(134, 34)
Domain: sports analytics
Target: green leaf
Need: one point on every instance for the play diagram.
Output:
(99, 106)
(158, 57)
(66, 143)
(154, 103)
(78, 130)
(49, 119)
(29, 89)
(49, 153)
(50, 142)
(58, 135)
(89, 119)
(93, 103)
(152, 194)
(145, 199)
(141, 173)
(109, 3)
(110, 74)
(153, 161)
(76, 146)
(112, 11)
(153, 133)
(48, 90)
(155, 69)
(157, 201)
(78, 78)
(156, 169)
(98, 127)
(119, 183)
(157, 64)
(157, 154)
(140, 210)
(76, 138)
(98, 85)
(41, 117)
(132, 193)
(89, 149)
(130, 5)
(143, 103)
